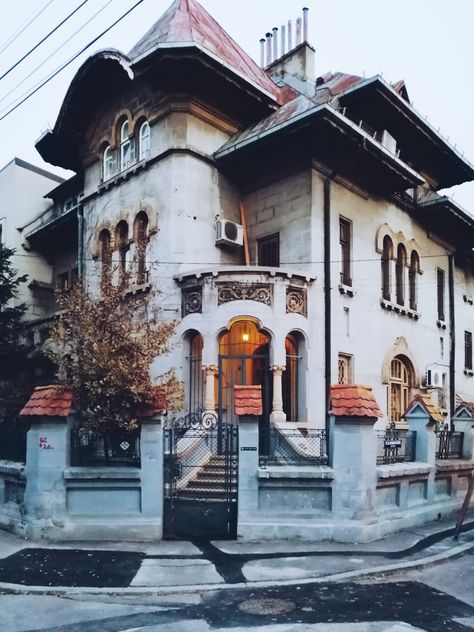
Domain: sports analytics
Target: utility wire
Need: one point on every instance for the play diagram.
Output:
(67, 63)
(46, 60)
(7, 72)
(23, 28)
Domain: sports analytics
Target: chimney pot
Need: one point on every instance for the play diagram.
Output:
(298, 31)
(269, 48)
(305, 24)
(283, 39)
(275, 43)
(290, 35)
(262, 52)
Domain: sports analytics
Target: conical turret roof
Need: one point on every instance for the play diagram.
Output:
(187, 22)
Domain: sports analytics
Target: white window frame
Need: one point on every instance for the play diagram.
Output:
(126, 159)
(108, 163)
(144, 141)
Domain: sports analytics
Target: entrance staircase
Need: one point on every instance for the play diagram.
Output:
(210, 482)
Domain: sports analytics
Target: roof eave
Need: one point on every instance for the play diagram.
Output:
(191, 44)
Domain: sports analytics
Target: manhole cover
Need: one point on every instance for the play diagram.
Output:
(267, 606)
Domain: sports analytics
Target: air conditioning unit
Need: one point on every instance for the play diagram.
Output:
(434, 378)
(229, 233)
(389, 142)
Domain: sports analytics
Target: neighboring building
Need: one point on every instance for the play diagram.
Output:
(23, 187)
(291, 222)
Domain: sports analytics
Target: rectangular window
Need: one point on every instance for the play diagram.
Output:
(440, 292)
(344, 369)
(345, 243)
(63, 282)
(468, 350)
(268, 251)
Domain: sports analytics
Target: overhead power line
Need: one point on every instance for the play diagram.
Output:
(23, 28)
(46, 60)
(69, 61)
(47, 36)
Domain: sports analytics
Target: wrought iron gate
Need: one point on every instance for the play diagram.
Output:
(200, 478)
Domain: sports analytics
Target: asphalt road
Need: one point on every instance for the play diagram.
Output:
(436, 599)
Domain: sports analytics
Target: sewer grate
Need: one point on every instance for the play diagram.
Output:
(267, 606)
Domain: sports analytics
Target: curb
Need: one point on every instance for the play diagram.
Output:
(194, 588)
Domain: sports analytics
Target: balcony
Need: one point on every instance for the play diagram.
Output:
(278, 289)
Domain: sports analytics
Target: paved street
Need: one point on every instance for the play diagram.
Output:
(407, 602)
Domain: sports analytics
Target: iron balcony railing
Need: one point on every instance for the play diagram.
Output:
(281, 446)
(395, 446)
(92, 449)
(449, 443)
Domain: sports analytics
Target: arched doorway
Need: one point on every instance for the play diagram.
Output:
(400, 387)
(243, 359)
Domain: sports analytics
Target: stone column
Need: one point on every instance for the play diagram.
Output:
(420, 421)
(210, 371)
(47, 455)
(277, 413)
(151, 472)
(353, 449)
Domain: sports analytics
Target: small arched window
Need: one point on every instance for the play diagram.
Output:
(105, 255)
(141, 237)
(126, 147)
(412, 272)
(109, 163)
(144, 141)
(387, 255)
(123, 247)
(400, 273)
(400, 384)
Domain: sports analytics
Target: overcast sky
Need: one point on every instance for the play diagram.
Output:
(429, 43)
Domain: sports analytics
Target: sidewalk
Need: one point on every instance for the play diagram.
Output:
(170, 567)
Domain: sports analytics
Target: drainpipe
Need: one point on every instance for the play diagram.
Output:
(452, 341)
(80, 241)
(327, 294)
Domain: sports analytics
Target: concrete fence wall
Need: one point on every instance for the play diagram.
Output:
(351, 499)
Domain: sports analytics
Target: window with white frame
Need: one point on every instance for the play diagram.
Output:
(109, 163)
(126, 147)
(144, 141)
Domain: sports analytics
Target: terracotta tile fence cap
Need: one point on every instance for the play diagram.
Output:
(158, 406)
(353, 400)
(248, 400)
(432, 409)
(49, 401)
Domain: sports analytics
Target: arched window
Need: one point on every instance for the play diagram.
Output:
(387, 255)
(123, 247)
(196, 385)
(126, 147)
(141, 238)
(144, 141)
(105, 256)
(109, 163)
(400, 385)
(400, 273)
(290, 379)
(412, 272)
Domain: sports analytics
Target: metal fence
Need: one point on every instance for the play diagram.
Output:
(395, 446)
(449, 443)
(280, 446)
(13, 442)
(92, 449)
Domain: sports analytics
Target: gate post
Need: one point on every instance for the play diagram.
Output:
(248, 407)
(151, 472)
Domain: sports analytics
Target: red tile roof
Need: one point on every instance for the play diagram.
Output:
(159, 403)
(186, 21)
(49, 401)
(353, 400)
(433, 410)
(248, 400)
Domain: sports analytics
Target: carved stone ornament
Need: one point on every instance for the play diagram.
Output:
(227, 292)
(296, 301)
(192, 301)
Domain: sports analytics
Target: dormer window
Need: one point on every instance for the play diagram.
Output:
(126, 147)
(144, 141)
